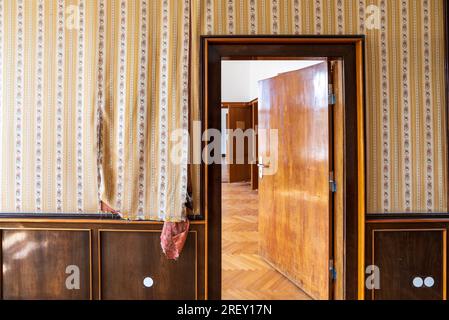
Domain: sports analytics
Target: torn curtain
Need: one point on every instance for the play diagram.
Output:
(93, 95)
(144, 107)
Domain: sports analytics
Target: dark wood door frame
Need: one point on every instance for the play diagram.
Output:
(350, 49)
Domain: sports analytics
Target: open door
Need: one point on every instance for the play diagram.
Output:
(239, 118)
(295, 203)
(255, 125)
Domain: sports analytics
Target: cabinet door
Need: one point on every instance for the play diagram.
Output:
(133, 267)
(46, 265)
(411, 264)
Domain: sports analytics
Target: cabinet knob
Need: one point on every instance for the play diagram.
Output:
(429, 282)
(148, 282)
(418, 282)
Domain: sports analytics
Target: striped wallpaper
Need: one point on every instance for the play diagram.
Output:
(406, 128)
(91, 90)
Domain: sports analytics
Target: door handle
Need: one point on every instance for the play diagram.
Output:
(260, 163)
(262, 166)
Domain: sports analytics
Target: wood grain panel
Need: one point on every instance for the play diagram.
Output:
(255, 124)
(294, 207)
(35, 263)
(128, 257)
(93, 227)
(339, 209)
(403, 255)
(239, 117)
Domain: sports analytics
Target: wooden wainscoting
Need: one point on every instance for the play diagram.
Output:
(36, 263)
(137, 255)
(115, 260)
(411, 257)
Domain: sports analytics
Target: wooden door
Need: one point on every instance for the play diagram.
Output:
(239, 117)
(254, 169)
(295, 206)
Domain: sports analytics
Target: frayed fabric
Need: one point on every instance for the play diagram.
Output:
(106, 208)
(173, 238)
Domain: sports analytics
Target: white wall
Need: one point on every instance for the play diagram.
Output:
(240, 78)
(235, 81)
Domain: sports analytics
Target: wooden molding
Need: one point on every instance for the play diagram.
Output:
(89, 221)
(446, 69)
(351, 50)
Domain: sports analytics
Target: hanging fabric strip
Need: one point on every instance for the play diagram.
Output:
(143, 175)
(173, 238)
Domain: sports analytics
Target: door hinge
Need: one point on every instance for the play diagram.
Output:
(332, 98)
(332, 183)
(333, 272)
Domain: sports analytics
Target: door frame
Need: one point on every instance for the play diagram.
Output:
(351, 50)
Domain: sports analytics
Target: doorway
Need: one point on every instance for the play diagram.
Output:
(349, 51)
(249, 272)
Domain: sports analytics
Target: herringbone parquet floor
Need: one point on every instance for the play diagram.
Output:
(246, 276)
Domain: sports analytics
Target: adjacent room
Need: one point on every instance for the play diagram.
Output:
(250, 271)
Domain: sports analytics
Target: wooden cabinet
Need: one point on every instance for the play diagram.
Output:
(46, 264)
(90, 259)
(133, 267)
(410, 261)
